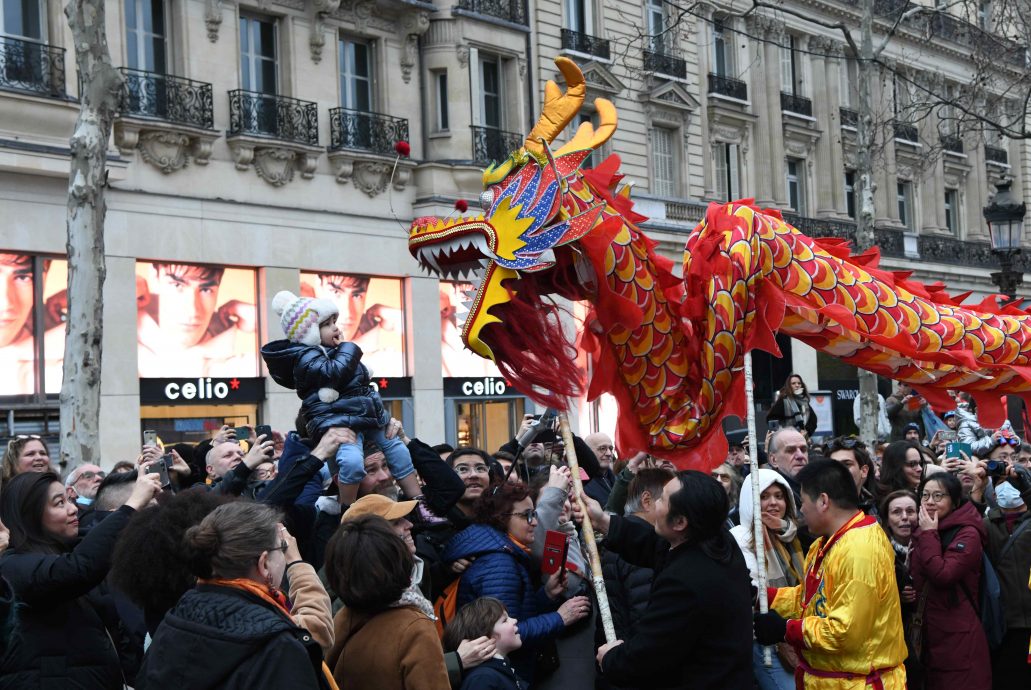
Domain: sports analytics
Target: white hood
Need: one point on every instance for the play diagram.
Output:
(766, 479)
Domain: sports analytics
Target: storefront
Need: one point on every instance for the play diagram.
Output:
(191, 410)
(482, 412)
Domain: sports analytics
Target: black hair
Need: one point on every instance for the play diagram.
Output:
(443, 448)
(949, 482)
(703, 502)
(22, 503)
(115, 479)
(469, 450)
(301, 425)
(367, 564)
(832, 478)
(893, 467)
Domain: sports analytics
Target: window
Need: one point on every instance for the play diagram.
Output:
(440, 91)
(849, 82)
(796, 185)
(790, 69)
(145, 35)
(578, 16)
(664, 162)
(905, 201)
(850, 193)
(21, 19)
(952, 211)
(355, 75)
(725, 167)
(258, 55)
(656, 21)
(490, 92)
(723, 60)
(984, 15)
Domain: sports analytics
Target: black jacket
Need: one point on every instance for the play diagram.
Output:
(697, 630)
(63, 622)
(307, 369)
(226, 638)
(628, 587)
(779, 411)
(493, 674)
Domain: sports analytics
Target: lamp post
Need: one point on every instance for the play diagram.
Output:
(1005, 216)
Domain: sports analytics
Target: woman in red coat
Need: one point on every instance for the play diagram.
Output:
(955, 650)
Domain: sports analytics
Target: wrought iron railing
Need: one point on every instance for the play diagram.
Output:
(165, 97)
(365, 131)
(510, 10)
(658, 59)
(849, 117)
(905, 131)
(269, 115)
(949, 250)
(953, 143)
(585, 43)
(31, 66)
(728, 86)
(995, 154)
(793, 103)
(890, 241)
(493, 145)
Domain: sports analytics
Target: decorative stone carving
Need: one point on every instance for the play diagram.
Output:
(370, 172)
(275, 166)
(823, 45)
(463, 55)
(521, 65)
(362, 12)
(321, 9)
(166, 151)
(165, 145)
(414, 24)
(766, 26)
(274, 162)
(213, 18)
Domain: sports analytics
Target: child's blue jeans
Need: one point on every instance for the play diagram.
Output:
(351, 458)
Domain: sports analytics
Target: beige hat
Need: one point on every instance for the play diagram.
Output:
(374, 504)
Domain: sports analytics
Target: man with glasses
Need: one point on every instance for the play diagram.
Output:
(82, 484)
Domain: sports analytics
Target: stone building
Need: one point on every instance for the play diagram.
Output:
(254, 152)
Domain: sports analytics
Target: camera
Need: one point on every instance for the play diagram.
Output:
(996, 468)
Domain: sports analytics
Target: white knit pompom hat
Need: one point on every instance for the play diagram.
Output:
(300, 316)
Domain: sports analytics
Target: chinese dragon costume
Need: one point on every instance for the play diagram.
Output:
(668, 348)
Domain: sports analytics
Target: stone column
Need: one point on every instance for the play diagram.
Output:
(766, 130)
(833, 132)
(704, 37)
(885, 172)
(120, 387)
(827, 176)
(775, 32)
(932, 177)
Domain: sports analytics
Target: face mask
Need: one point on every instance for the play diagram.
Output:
(1007, 496)
(83, 501)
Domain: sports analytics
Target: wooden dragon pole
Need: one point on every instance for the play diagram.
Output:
(757, 522)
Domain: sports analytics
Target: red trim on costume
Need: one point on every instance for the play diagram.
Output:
(771, 594)
(793, 634)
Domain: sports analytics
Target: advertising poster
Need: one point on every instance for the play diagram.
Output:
(19, 309)
(371, 316)
(457, 360)
(196, 320)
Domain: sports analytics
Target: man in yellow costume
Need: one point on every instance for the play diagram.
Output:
(845, 620)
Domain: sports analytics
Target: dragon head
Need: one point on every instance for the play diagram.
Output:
(535, 205)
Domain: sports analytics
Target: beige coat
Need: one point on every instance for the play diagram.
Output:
(311, 606)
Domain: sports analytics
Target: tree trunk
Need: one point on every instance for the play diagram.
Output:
(100, 86)
(865, 238)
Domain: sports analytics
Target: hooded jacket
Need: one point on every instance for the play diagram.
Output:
(225, 638)
(970, 431)
(332, 383)
(744, 533)
(502, 570)
(955, 647)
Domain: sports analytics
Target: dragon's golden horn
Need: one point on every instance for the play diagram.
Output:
(559, 108)
(587, 137)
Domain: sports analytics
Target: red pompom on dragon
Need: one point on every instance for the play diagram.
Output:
(670, 349)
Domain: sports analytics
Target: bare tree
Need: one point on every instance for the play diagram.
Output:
(100, 86)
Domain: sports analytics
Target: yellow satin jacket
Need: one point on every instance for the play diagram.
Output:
(853, 620)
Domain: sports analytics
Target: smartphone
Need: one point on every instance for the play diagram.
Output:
(167, 460)
(150, 437)
(263, 430)
(556, 548)
(954, 448)
(773, 424)
(162, 471)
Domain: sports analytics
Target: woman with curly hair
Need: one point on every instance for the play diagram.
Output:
(25, 454)
(498, 544)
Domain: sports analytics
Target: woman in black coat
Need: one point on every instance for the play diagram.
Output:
(63, 636)
(791, 407)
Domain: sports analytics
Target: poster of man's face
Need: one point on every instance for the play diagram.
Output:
(371, 315)
(19, 309)
(195, 320)
(456, 359)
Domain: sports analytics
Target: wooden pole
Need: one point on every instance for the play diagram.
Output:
(757, 523)
(588, 532)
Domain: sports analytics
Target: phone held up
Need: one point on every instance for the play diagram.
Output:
(263, 430)
(150, 437)
(161, 469)
(556, 548)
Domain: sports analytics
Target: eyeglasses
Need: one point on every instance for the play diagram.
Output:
(90, 474)
(462, 470)
(914, 463)
(24, 437)
(528, 515)
(933, 496)
(1009, 457)
(720, 475)
(283, 546)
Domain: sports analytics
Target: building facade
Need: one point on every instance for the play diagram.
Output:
(254, 152)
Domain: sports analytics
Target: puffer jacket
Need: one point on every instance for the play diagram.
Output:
(1012, 562)
(955, 646)
(311, 370)
(628, 586)
(226, 638)
(970, 431)
(502, 570)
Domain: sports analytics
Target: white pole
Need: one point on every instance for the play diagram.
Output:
(757, 523)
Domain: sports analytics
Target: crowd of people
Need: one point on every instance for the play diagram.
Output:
(262, 559)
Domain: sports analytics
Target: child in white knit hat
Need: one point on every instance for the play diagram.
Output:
(335, 389)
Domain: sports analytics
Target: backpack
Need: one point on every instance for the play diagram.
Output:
(989, 607)
(446, 605)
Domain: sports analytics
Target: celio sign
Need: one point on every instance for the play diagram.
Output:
(205, 389)
(486, 387)
(202, 390)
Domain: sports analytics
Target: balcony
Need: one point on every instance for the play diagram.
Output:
(164, 97)
(364, 131)
(508, 10)
(728, 86)
(32, 67)
(492, 145)
(952, 143)
(906, 132)
(849, 118)
(890, 241)
(585, 43)
(793, 103)
(949, 250)
(658, 60)
(277, 134)
(994, 154)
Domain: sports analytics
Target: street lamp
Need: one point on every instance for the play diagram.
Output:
(1005, 216)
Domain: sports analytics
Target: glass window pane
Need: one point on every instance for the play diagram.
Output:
(157, 15)
(268, 39)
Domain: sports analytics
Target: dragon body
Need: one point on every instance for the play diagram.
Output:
(670, 348)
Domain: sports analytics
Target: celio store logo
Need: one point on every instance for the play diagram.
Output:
(204, 389)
